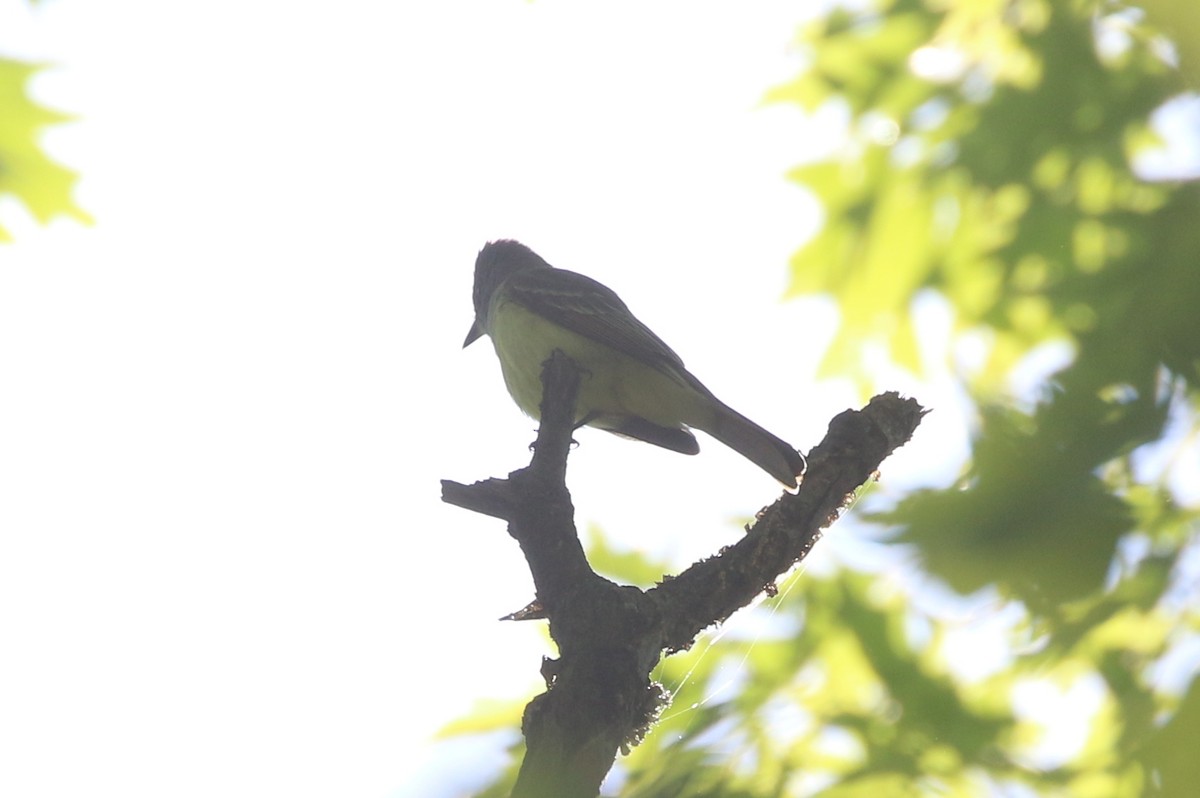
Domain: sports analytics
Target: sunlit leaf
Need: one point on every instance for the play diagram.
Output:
(986, 158)
(26, 172)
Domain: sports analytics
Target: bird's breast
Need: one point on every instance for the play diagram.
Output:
(612, 382)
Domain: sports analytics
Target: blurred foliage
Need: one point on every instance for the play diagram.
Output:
(26, 172)
(989, 159)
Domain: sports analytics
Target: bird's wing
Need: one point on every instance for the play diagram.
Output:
(593, 310)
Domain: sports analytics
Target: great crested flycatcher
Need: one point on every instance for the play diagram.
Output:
(632, 383)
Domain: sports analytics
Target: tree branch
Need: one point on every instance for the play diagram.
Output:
(599, 697)
(783, 534)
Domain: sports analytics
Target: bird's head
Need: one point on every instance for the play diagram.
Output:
(497, 261)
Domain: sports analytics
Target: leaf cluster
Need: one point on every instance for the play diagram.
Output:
(990, 159)
(27, 173)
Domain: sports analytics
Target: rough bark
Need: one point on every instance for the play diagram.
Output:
(599, 697)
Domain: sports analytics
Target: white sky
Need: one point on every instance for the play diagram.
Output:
(225, 409)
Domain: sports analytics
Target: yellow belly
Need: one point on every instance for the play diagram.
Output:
(612, 382)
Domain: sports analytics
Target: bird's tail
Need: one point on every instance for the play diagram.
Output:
(774, 455)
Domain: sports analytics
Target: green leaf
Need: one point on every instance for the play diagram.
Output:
(487, 716)
(26, 173)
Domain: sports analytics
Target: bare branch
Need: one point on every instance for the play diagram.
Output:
(599, 697)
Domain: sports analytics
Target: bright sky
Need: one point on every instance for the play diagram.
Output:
(226, 407)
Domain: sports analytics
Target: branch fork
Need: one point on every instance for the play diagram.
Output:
(599, 697)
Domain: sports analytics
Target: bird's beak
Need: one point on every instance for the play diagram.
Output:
(474, 333)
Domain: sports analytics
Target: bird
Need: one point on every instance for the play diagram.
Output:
(632, 384)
